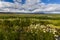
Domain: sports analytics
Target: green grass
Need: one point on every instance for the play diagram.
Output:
(23, 26)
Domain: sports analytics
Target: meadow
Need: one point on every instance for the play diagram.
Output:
(29, 26)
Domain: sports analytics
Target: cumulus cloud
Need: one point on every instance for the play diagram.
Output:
(30, 6)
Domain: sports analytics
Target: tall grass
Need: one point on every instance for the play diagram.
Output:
(19, 30)
(28, 27)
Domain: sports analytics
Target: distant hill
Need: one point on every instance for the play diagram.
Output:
(18, 13)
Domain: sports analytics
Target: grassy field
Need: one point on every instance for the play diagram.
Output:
(29, 26)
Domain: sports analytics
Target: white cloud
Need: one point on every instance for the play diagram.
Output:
(32, 2)
(30, 6)
(17, 0)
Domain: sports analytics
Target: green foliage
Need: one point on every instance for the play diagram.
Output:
(1, 36)
(15, 30)
(8, 23)
(18, 28)
(44, 22)
(25, 22)
(16, 22)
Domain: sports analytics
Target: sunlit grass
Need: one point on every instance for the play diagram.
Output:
(29, 26)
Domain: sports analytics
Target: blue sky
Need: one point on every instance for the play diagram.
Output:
(45, 1)
(51, 1)
(30, 6)
(23, 1)
(8, 0)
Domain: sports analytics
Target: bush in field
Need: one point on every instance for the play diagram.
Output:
(8, 23)
(56, 24)
(40, 35)
(25, 22)
(16, 22)
(48, 36)
(15, 30)
(2, 36)
(44, 22)
(35, 22)
(0, 22)
(10, 29)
